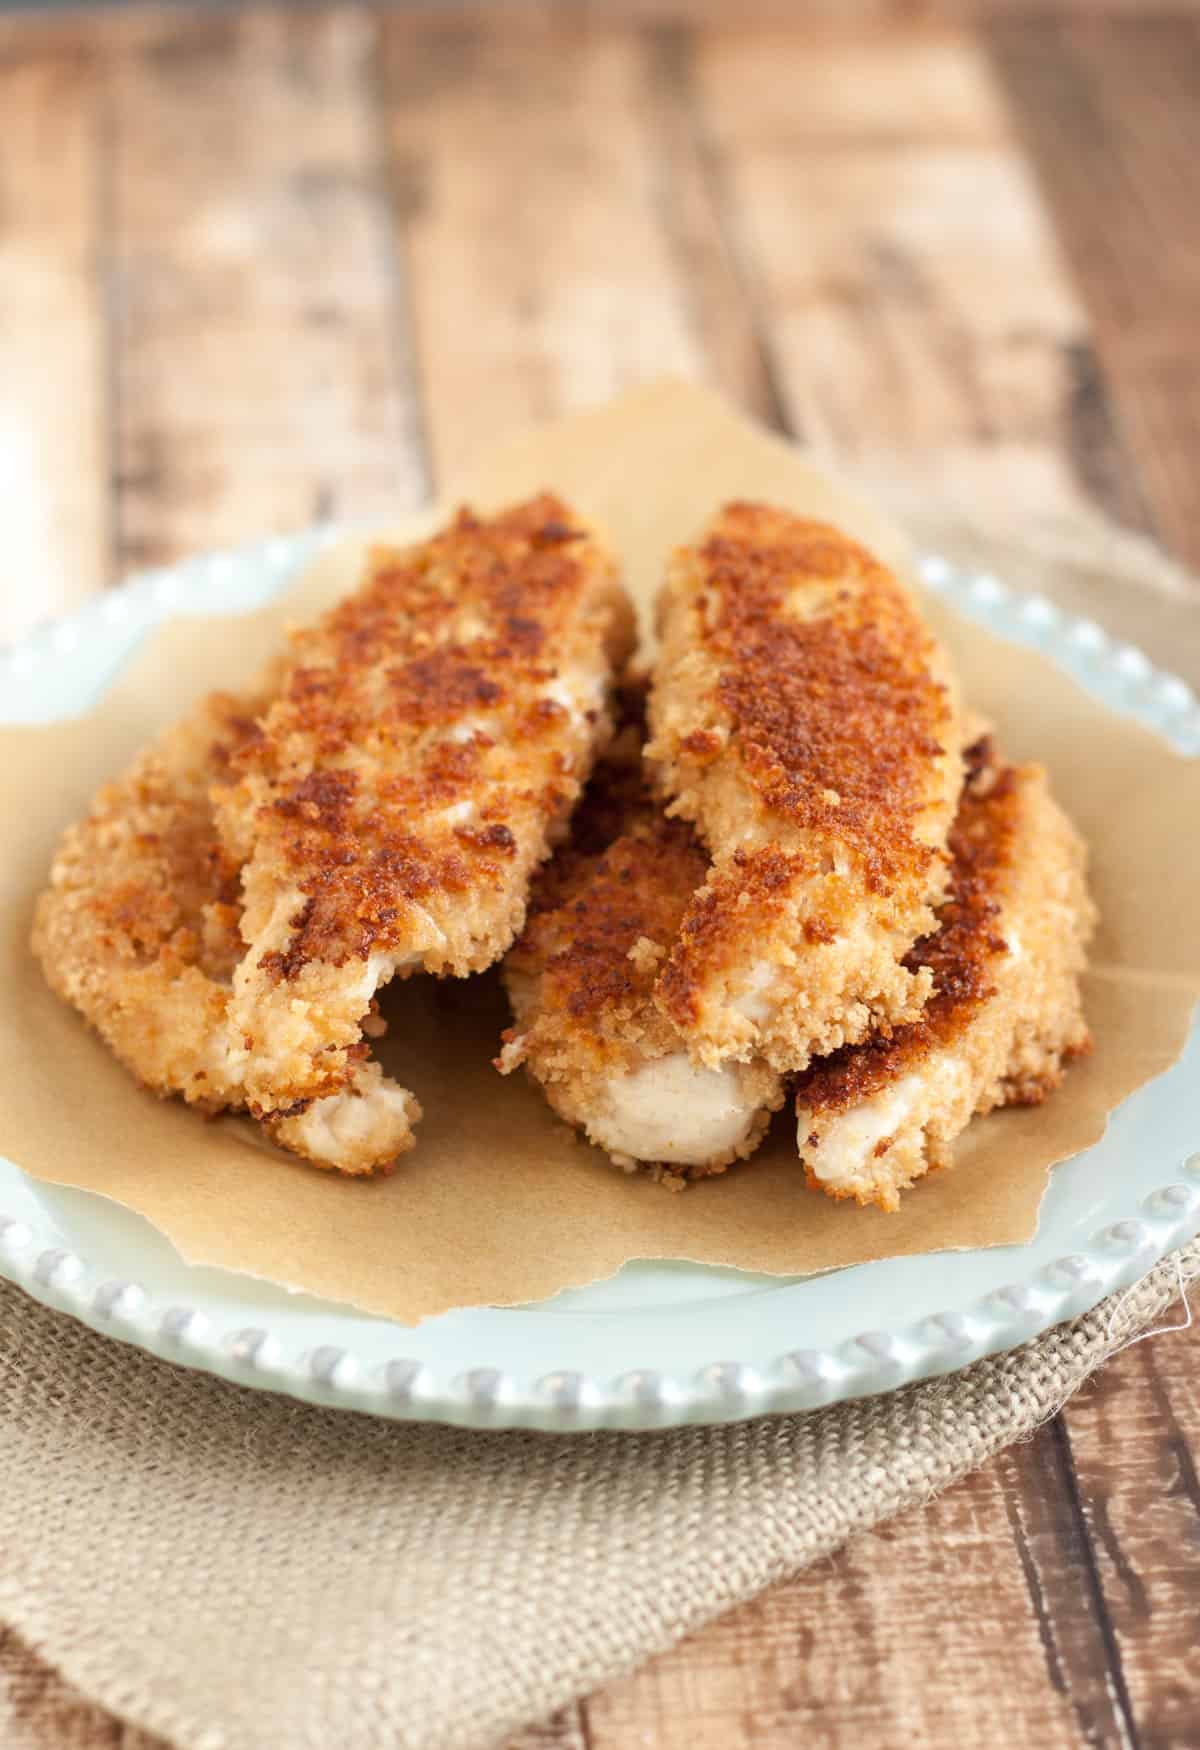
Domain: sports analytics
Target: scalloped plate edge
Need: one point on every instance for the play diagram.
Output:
(1116, 1256)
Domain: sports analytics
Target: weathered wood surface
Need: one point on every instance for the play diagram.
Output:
(1110, 111)
(265, 266)
(260, 378)
(54, 408)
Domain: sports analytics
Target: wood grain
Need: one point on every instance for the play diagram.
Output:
(715, 278)
(921, 321)
(1133, 1439)
(53, 361)
(1110, 109)
(262, 377)
(961, 1625)
(530, 198)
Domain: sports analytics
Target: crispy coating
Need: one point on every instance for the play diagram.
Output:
(1005, 1016)
(139, 931)
(807, 722)
(581, 979)
(431, 735)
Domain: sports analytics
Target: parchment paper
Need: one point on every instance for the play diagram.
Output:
(498, 1204)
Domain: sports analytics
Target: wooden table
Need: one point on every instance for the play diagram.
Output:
(262, 267)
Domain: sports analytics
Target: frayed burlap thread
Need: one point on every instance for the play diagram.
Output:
(230, 1570)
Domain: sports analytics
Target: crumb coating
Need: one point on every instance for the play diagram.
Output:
(139, 926)
(138, 929)
(807, 722)
(1005, 1016)
(603, 915)
(432, 734)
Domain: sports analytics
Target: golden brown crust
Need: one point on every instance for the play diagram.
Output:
(804, 699)
(581, 979)
(139, 931)
(1005, 1017)
(805, 719)
(432, 735)
(353, 751)
(139, 926)
(635, 892)
(602, 914)
(962, 953)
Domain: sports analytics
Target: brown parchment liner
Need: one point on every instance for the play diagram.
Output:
(498, 1204)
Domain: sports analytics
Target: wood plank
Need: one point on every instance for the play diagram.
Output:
(1134, 1443)
(531, 203)
(922, 322)
(53, 420)
(1110, 109)
(931, 1630)
(29, 32)
(1131, 1444)
(261, 376)
(715, 280)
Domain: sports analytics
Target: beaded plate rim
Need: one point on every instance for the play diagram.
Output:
(1114, 1256)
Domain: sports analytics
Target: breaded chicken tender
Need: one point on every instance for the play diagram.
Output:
(807, 722)
(1005, 1017)
(604, 912)
(430, 738)
(139, 931)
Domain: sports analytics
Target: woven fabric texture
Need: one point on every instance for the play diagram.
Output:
(230, 1569)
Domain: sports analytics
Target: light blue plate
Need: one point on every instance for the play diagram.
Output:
(658, 1344)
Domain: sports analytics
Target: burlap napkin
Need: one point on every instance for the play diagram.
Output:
(232, 1570)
